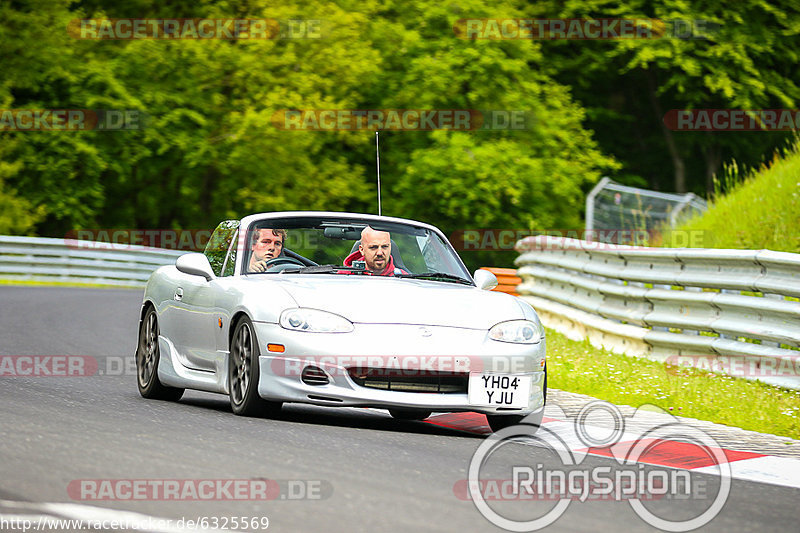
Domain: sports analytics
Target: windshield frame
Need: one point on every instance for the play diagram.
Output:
(380, 222)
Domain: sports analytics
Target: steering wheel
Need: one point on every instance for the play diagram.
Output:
(282, 260)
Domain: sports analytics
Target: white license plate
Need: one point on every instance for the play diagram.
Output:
(499, 390)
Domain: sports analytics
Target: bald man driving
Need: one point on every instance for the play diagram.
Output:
(375, 249)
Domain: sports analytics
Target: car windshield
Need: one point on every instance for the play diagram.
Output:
(325, 245)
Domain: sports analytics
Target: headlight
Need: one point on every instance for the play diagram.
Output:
(314, 321)
(517, 331)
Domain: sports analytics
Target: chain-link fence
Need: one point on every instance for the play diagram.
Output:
(613, 209)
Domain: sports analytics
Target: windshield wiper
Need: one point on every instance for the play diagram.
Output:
(323, 269)
(436, 275)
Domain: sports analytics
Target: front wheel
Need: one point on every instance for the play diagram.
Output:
(148, 355)
(243, 373)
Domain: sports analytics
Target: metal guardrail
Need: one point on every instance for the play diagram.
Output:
(672, 304)
(74, 261)
(663, 303)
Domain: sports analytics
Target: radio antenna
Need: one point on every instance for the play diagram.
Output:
(378, 159)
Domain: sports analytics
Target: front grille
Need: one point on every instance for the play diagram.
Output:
(432, 382)
(313, 375)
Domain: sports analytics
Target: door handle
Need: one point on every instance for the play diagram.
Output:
(178, 294)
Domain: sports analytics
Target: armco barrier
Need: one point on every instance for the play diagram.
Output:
(658, 302)
(669, 303)
(77, 261)
(67, 260)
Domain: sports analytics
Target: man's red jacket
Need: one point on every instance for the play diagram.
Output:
(390, 269)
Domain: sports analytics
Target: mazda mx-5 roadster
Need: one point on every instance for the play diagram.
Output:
(340, 309)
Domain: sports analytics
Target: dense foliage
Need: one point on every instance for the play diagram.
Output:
(714, 55)
(209, 150)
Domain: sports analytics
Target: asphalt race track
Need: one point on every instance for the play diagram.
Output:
(325, 469)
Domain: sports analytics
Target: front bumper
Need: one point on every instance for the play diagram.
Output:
(399, 350)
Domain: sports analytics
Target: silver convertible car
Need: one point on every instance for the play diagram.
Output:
(340, 309)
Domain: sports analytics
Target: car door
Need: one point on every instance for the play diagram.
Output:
(196, 317)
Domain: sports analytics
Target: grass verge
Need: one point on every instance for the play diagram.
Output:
(577, 366)
(760, 209)
(21, 282)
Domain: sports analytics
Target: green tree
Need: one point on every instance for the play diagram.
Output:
(530, 179)
(17, 215)
(29, 59)
(209, 150)
(739, 55)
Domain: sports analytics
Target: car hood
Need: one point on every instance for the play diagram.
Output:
(389, 300)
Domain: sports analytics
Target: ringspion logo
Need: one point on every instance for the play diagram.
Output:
(193, 28)
(528, 489)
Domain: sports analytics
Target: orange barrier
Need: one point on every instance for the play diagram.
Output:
(507, 279)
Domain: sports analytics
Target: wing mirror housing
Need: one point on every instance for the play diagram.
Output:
(195, 264)
(485, 280)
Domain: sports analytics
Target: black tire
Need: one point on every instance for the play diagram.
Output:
(498, 422)
(409, 414)
(148, 356)
(243, 373)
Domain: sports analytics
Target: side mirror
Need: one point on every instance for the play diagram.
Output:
(485, 280)
(195, 264)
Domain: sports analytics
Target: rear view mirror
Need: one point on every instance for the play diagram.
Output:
(349, 233)
(485, 280)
